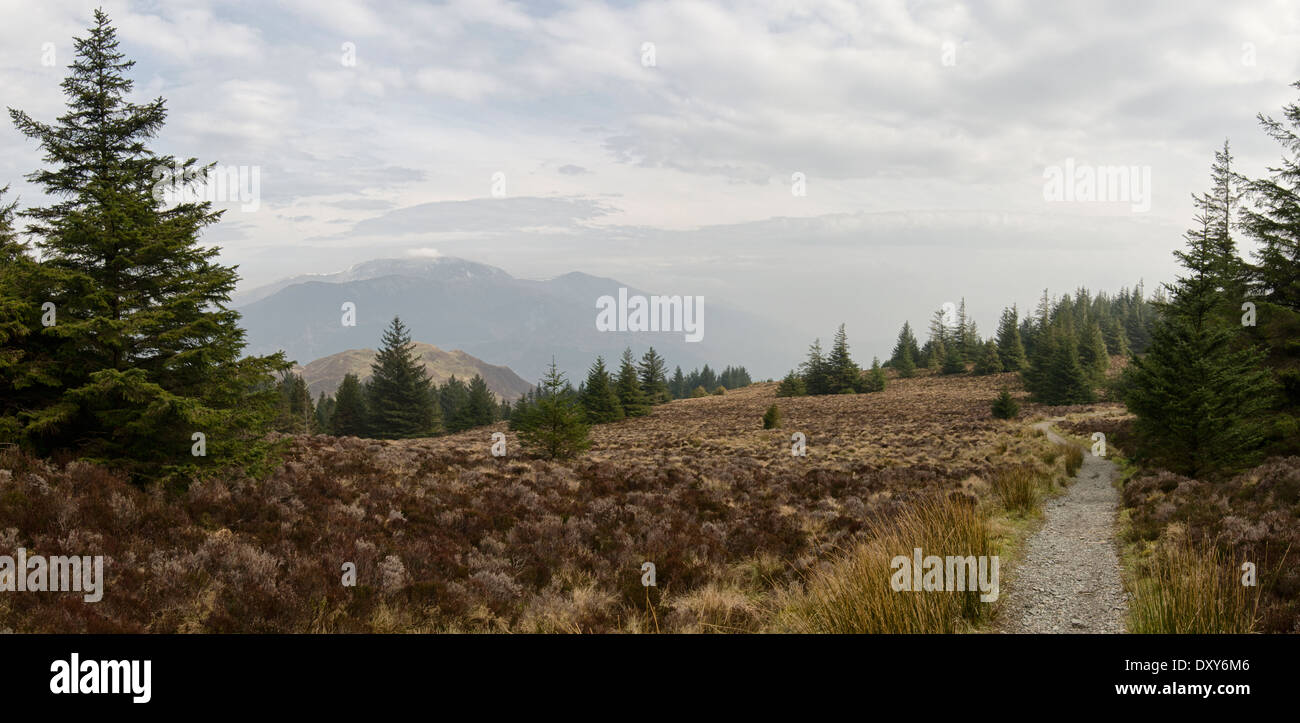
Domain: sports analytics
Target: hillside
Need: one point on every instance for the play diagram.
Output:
(325, 374)
(481, 309)
(448, 538)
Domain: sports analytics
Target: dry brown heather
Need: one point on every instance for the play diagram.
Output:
(447, 538)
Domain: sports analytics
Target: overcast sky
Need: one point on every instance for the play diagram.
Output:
(922, 131)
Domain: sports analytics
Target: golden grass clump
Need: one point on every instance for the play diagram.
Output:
(852, 593)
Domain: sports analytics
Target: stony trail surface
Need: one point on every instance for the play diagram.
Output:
(1069, 578)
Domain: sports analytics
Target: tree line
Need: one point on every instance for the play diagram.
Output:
(554, 417)
(832, 372)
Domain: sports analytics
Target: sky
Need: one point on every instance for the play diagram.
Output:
(815, 163)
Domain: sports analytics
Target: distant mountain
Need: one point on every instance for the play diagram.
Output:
(325, 375)
(481, 309)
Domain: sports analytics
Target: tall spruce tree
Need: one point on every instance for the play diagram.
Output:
(598, 398)
(652, 373)
(843, 374)
(628, 386)
(1200, 393)
(815, 370)
(480, 407)
(399, 394)
(1011, 351)
(906, 351)
(144, 352)
(349, 417)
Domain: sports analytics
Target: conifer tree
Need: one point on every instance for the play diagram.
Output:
(552, 425)
(400, 395)
(990, 360)
(1011, 351)
(452, 396)
(906, 352)
(678, 384)
(1273, 218)
(480, 407)
(842, 373)
(145, 351)
(349, 417)
(652, 373)
(791, 386)
(815, 370)
(1200, 393)
(628, 386)
(598, 398)
(953, 362)
(1092, 353)
(874, 381)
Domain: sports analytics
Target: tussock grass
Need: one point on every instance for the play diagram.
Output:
(852, 593)
(1017, 487)
(1073, 459)
(1190, 587)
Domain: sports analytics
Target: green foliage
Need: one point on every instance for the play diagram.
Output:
(772, 418)
(874, 381)
(480, 408)
(1011, 351)
(349, 418)
(399, 394)
(628, 386)
(1005, 406)
(598, 397)
(145, 352)
(552, 424)
(990, 359)
(954, 361)
(699, 392)
(791, 386)
(652, 376)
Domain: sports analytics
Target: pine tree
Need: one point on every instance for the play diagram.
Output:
(1005, 406)
(906, 352)
(815, 370)
(678, 384)
(1200, 401)
(598, 397)
(1092, 353)
(842, 373)
(652, 374)
(1054, 375)
(400, 395)
(480, 408)
(953, 362)
(453, 396)
(772, 417)
(349, 418)
(791, 386)
(1200, 393)
(875, 380)
(1273, 220)
(1011, 351)
(145, 351)
(628, 387)
(990, 360)
(295, 408)
(552, 425)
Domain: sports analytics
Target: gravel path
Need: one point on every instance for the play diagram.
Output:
(1069, 579)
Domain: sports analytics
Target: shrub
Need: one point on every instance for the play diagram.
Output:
(719, 390)
(772, 419)
(699, 392)
(1005, 406)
